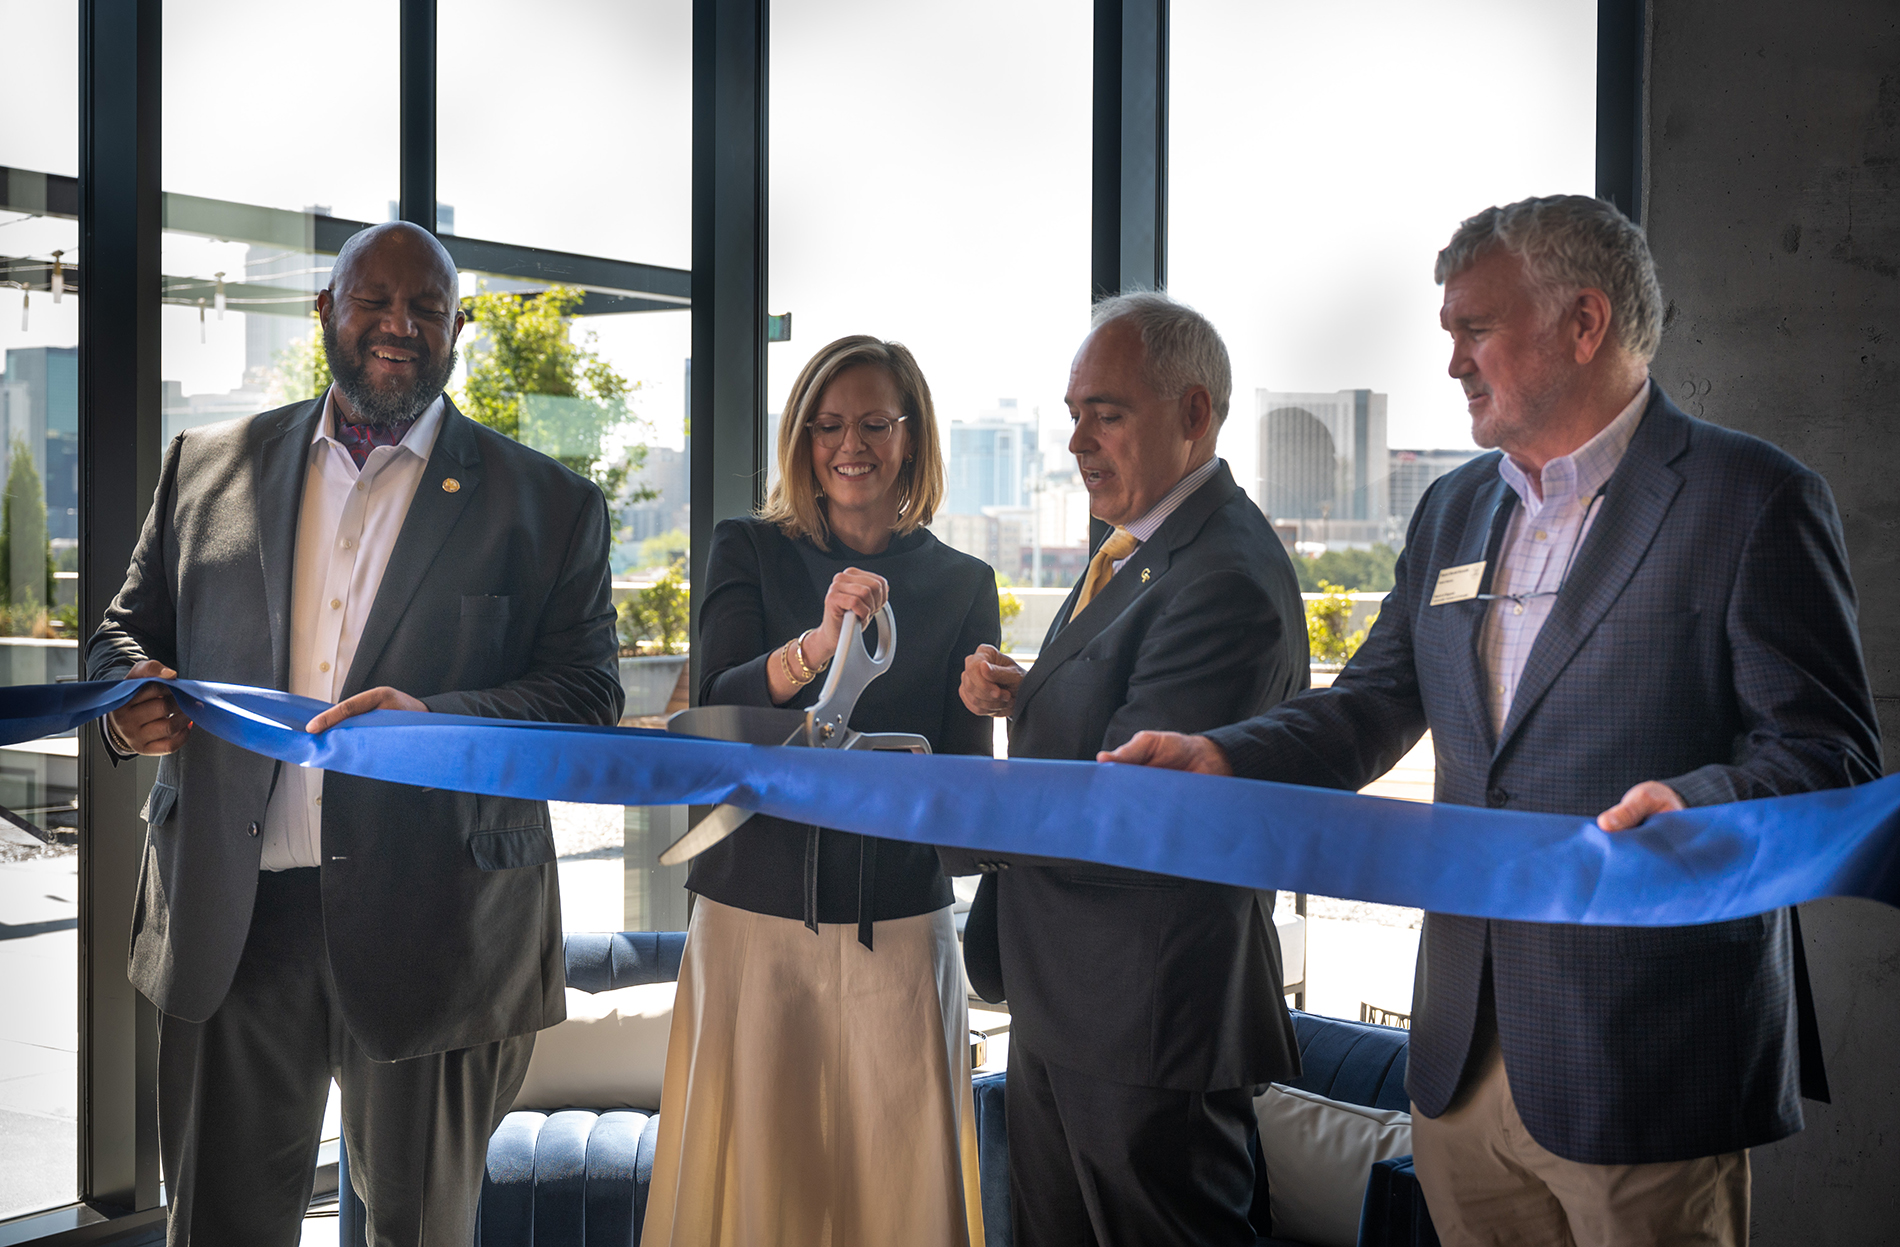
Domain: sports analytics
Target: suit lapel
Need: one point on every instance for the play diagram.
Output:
(432, 516)
(1143, 568)
(1103, 609)
(281, 461)
(1635, 503)
(1485, 524)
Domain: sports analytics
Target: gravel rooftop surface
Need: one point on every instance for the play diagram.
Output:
(1356, 911)
(587, 830)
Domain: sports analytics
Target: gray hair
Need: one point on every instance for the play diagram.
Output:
(1567, 243)
(1181, 346)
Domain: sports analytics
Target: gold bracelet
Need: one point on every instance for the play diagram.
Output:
(786, 663)
(798, 652)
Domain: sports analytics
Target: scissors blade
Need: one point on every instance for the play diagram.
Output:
(722, 822)
(716, 826)
(751, 725)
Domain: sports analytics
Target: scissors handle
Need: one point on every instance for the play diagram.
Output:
(852, 670)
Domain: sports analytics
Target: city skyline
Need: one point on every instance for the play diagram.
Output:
(1305, 201)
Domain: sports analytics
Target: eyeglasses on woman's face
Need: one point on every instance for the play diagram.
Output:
(829, 431)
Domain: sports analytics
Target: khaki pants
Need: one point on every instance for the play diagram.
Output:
(1488, 1182)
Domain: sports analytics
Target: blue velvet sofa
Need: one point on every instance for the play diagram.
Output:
(579, 1178)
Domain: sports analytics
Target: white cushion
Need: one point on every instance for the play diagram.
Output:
(1291, 928)
(610, 1053)
(1319, 1154)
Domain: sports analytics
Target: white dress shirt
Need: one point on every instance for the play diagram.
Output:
(346, 531)
(1150, 524)
(1540, 547)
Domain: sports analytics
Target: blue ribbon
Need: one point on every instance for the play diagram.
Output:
(1701, 865)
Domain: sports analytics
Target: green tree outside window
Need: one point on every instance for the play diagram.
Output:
(665, 550)
(528, 379)
(1326, 637)
(1360, 571)
(300, 371)
(655, 619)
(26, 549)
(1008, 605)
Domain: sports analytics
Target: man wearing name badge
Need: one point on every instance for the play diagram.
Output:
(376, 548)
(1146, 1009)
(1624, 613)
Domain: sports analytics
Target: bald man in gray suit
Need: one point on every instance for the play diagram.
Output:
(377, 549)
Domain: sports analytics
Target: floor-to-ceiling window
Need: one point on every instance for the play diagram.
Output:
(40, 289)
(930, 184)
(567, 127)
(255, 203)
(1319, 157)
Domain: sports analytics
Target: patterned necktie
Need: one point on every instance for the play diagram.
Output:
(360, 439)
(1119, 545)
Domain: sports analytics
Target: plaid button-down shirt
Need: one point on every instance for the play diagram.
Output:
(1540, 545)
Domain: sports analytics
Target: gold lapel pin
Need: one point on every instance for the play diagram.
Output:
(1144, 575)
(450, 485)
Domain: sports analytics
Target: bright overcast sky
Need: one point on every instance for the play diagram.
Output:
(929, 164)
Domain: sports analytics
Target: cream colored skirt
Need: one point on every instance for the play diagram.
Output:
(817, 1093)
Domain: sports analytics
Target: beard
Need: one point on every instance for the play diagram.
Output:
(384, 407)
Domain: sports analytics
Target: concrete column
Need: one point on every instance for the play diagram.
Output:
(1774, 162)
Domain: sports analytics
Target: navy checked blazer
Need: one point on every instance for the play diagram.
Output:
(1706, 638)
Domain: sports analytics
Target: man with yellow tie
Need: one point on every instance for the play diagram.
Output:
(1146, 1009)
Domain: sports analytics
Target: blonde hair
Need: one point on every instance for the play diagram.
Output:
(795, 504)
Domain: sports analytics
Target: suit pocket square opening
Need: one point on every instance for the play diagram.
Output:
(486, 606)
(512, 848)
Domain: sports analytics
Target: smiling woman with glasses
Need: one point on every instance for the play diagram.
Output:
(818, 1073)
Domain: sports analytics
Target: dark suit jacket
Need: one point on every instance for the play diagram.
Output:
(441, 909)
(1705, 638)
(1133, 977)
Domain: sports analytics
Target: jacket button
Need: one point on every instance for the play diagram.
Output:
(1497, 798)
(254, 829)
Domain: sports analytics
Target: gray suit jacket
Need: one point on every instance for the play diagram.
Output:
(1705, 638)
(441, 909)
(1128, 976)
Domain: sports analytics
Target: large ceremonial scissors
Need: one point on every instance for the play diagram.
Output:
(826, 725)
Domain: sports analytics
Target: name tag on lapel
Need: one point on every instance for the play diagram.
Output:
(1458, 584)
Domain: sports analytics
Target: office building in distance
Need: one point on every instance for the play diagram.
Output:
(39, 414)
(1323, 466)
(992, 460)
(1412, 473)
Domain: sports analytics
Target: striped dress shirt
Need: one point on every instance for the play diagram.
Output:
(1150, 524)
